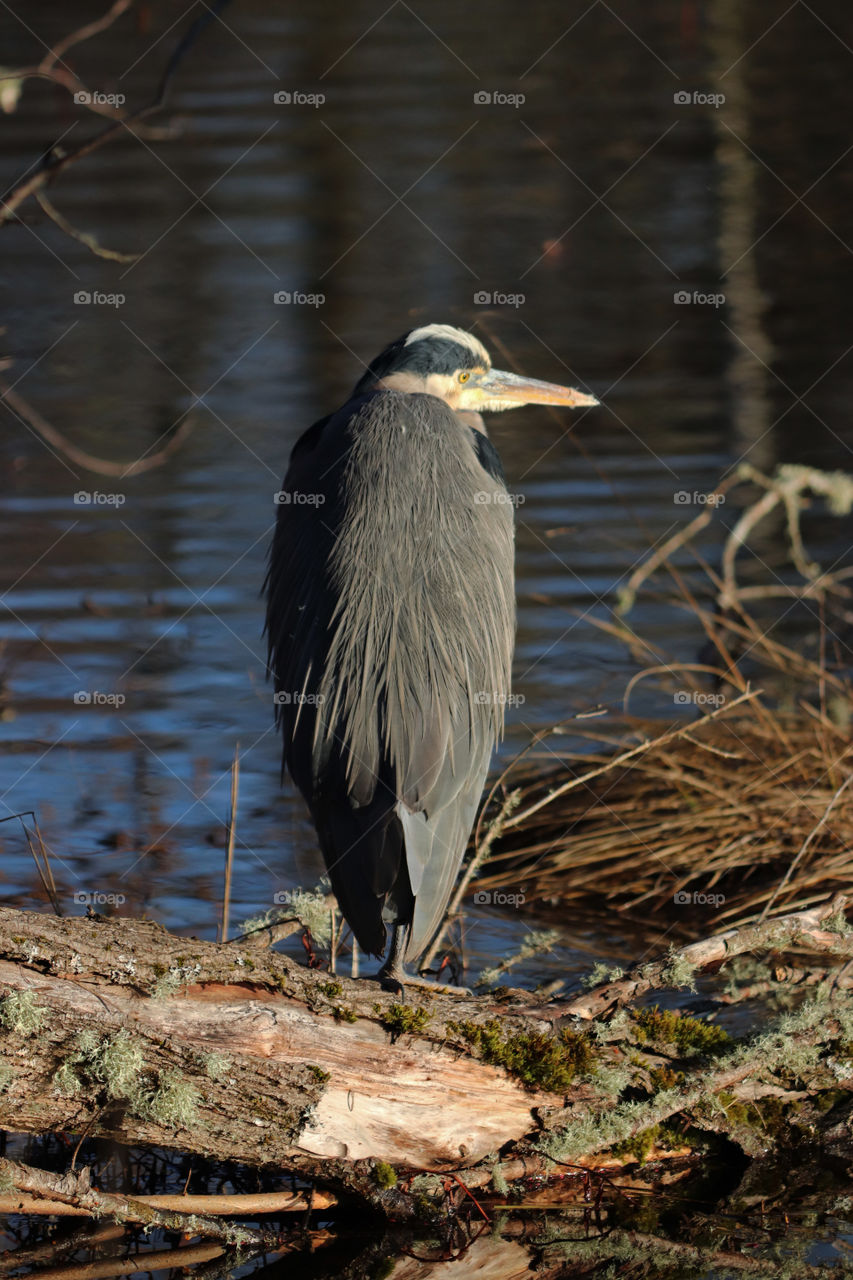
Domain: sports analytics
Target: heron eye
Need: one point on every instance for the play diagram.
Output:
(463, 377)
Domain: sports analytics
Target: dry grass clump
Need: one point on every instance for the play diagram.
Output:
(752, 800)
(720, 807)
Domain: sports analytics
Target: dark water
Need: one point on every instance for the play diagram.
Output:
(399, 199)
(598, 199)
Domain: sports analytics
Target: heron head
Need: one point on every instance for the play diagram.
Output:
(446, 362)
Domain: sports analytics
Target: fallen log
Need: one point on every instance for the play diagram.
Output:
(116, 1028)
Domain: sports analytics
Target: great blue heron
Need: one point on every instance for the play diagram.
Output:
(391, 622)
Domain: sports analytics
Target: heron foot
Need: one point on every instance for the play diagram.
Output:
(395, 978)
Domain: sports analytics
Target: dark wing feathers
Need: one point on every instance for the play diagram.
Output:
(391, 614)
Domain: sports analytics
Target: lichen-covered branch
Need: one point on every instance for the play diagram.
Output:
(679, 968)
(75, 1189)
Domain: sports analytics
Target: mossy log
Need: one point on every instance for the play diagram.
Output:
(116, 1028)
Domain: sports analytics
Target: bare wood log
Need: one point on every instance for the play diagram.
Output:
(249, 1205)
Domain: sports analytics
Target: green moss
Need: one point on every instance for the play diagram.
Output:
(665, 1078)
(20, 1013)
(539, 1060)
(667, 1135)
(321, 1076)
(768, 1116)
(831, 1098)
(384, 1174)
(689, 1035)
(400, 1019)
(639, 1145)
(343, 1013)
(330, 989)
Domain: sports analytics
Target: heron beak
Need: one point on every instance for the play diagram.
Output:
(498, 385)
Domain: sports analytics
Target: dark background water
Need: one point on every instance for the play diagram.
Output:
(400, 198)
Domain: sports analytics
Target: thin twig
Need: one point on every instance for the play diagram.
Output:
(632, 754)
(229, 849)
(796, 929)
(40, 857)
(248, 1205)
(84, 237)
(75, 1189)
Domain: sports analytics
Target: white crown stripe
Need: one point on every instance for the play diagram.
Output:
(451, 334)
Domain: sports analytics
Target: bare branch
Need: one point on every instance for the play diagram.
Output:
(57, 160)
(85, 32)
(83, 236)
(101, 466)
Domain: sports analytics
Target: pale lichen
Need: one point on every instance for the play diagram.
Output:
(172, 1103)
(499, 1182)
(215, 1065)
(66, 1080)
(601, 974)
(678, 971)
(838, 923)
(308, 906)
(20, 1013)
(112, 1062)
(175, 979)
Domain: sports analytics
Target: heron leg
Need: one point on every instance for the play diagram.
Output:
(393, 976)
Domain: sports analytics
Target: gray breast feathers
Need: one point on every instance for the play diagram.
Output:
(392, 617)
